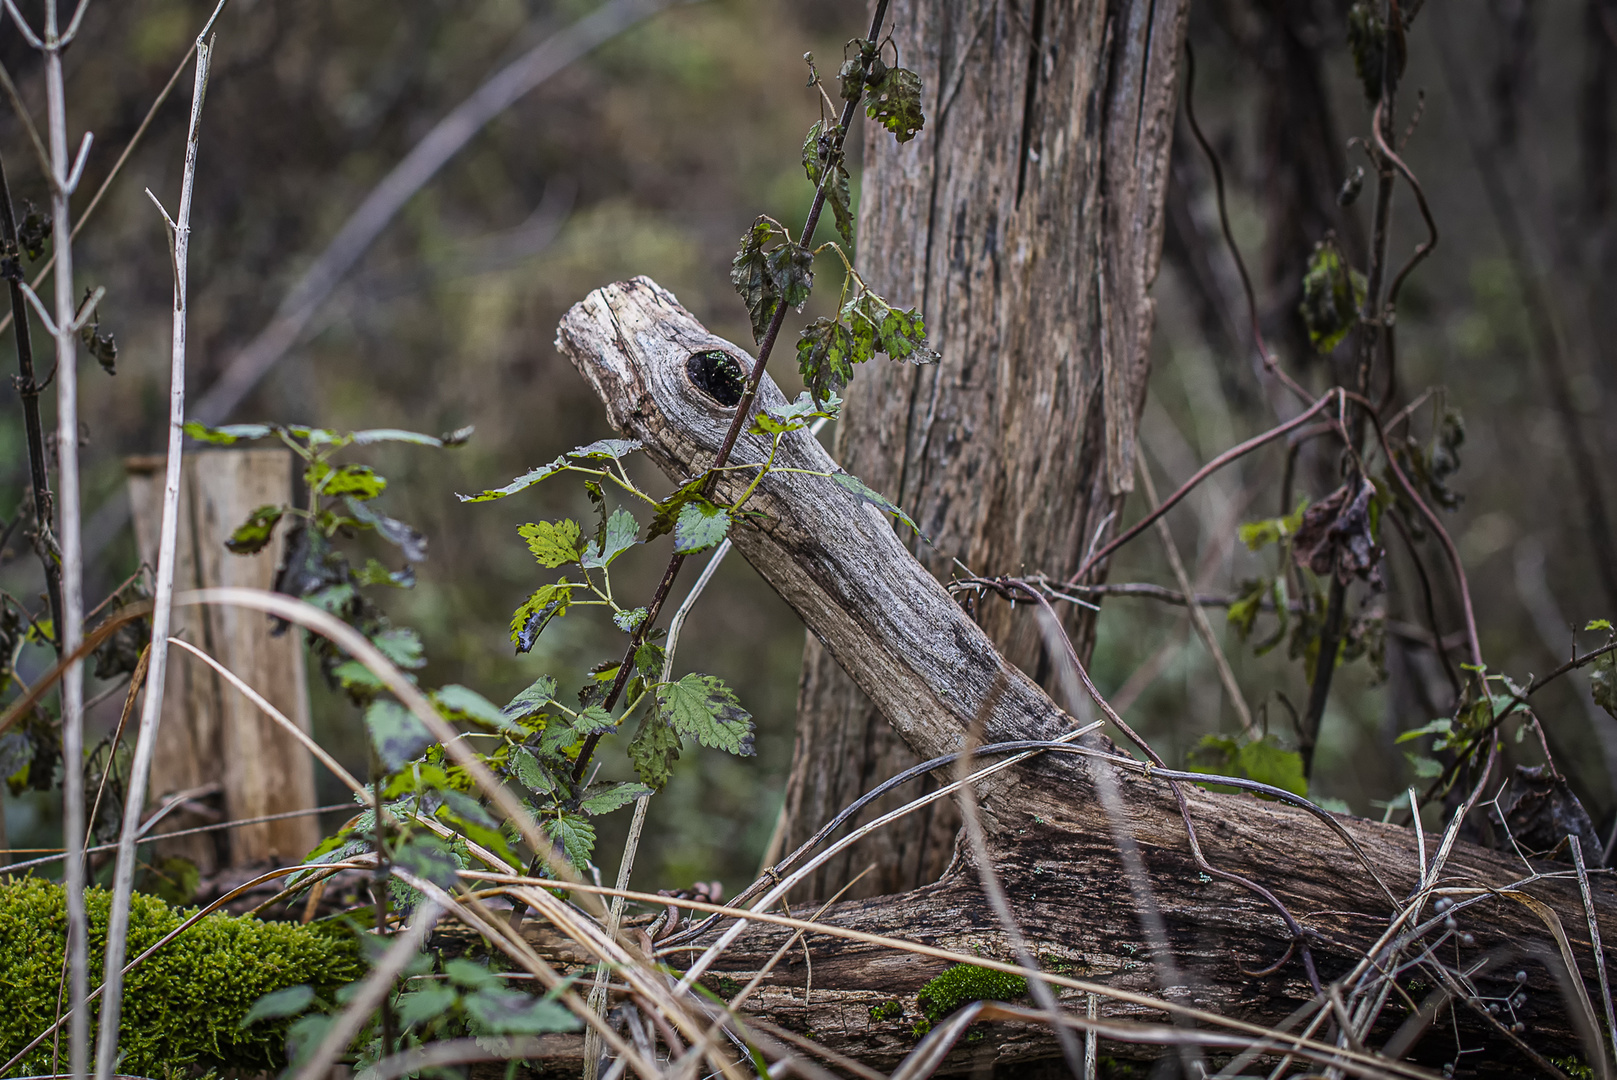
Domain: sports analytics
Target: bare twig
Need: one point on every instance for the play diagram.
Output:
(123, 879)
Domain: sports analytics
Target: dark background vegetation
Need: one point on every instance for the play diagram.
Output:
(656, 151)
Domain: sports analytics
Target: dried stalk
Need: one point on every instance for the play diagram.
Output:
(123, 879)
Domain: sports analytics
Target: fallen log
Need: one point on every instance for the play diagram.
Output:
(836, 560)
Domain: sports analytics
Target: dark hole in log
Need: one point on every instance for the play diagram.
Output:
(718, 375)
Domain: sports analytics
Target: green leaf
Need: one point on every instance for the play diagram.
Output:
(602, 449)
(877, 326)
(1425, 768)
(1257, 534)
(381, 435)
(749, 274)
(649, 658)
(353, 676)
(463, 702)
(1244, 611)
(1263, 761)
(497, 1010)
(824, 164)
(1603, 682)
(701, 707)
(461, 811)
(553, 543)
(825, 357)
(398, 735)
(546, 603)
(356, 481)
(620, 535)
(1333, 293)
(662, 522)
(1440, 726)
(868, 494)
(279, 1005)
(1599, 624)
(416, 1007)
(701, 525)
(606, 797)
(227, 435)
(791, 274)
(575, 835)
(653, 750)
(254, 534)
(531, 774)
(594, 720)
(521, 483)
(895, 101)
(541, 693)
(402, 645)
(629, 621)
(469, 974)
(426, 856)
(406, 537)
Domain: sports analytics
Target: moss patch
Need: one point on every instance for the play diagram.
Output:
(181, 1007)
(887, 1010)
(967, 982)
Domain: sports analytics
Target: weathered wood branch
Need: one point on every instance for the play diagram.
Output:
(931, 671)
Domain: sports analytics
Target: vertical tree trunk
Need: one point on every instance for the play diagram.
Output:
(1026, 223)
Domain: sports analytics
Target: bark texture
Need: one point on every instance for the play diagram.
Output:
(931, 671)
(1025, 221)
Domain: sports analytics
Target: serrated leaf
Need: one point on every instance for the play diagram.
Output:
(416, 1007)
(278, 1005)
(426, 856)
(539, 694)
(662, 522)
(621, 534)
(381, 435)
(593, 720)
(607, 448)
(398, 735)
(553, 543)
(875, 498)
(877, 326)
(464, 702)
(825, 357)
(1333, 294)
(629, 621)
(546, 603)
(895, 101)
(461, 811)
(1603, 683)
(701, 707)
(469, 974)
(648, 659)
(700, 525)
(521, 483)
(749, 274)
(653, 750)
(407, 538)
(355, 481)
(607, 797)
(791, 273)
(355, 677)
(1263, 760)
(498, 1010)
(402, 645)
(227, 435)
(575, 835)
(254, 534)
(823, 162)
(531, 774)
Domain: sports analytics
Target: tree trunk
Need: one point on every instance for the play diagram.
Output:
(933, 673)
(1025, 223)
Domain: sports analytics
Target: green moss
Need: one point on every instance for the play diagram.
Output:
(1574, 1067)
(887, 1010)
(181, 1007)
(921, 1028)
(967, 982)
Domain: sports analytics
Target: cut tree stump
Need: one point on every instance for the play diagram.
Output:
(931, 670)
(211, 736)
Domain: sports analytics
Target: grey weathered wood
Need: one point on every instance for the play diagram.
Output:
(210, 732)
(1025, 221)
(929, 669)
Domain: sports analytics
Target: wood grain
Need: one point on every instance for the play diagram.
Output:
(930, 670)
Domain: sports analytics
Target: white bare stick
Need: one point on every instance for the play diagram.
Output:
(123, 879)
(504, 89)
(71, 632)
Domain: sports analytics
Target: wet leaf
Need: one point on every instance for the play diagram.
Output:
(895, 101)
